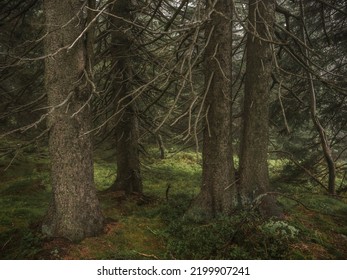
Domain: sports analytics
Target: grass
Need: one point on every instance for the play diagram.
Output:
(153, 227)
(24, 196)
(104, 174)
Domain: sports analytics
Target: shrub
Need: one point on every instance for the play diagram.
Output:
(243, 236)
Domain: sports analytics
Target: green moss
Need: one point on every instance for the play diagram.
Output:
(154, 226)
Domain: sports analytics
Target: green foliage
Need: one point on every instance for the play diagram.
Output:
(20, 244)
(181, 171)
(279, 230)
(313, 220)
(175, 208)
(276, 237)
(321, 220)
(242, 236)
(198, 241)
(154, 226)
(104, 174)
(30, 244)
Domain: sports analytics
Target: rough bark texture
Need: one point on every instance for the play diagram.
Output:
(126, 124)
(74, 212)
(254, 174)
(217, 194)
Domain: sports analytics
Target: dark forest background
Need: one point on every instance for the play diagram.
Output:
(169, 129)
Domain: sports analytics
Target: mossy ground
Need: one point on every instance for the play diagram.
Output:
(152, 227)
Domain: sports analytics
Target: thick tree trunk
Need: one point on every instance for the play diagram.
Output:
(126, 124)
(218, 195)
(254, 174)
(74, 212)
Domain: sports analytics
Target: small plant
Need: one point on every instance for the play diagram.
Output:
(199, 241)
(55, 254)
(221, 238)
(243, 236)
(279, 229)
(276, 237)
(30, 245)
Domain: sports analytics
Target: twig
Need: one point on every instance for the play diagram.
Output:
(147, 255)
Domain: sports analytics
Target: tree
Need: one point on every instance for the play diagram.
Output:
(254, 174)
(218, 195)
(126, 124)
(74, 212)
(313, 111)
(21, 80)
(309, 77)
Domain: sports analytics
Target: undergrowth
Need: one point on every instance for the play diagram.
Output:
(154, 226)
(243, 236)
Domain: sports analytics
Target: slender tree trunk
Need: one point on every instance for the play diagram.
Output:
(160, 145)
(74, 212)
(313, 111)
(254, 174)
(218, 195)
(126, 124)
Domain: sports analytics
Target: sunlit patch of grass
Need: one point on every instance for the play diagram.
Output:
(104, 174)
(180, 172)
(276, 167)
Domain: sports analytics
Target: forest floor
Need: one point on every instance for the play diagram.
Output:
(152, 227)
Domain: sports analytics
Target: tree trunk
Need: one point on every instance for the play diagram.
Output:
(74, 212)
(160, 145)
(217, 194)
(254, 174)
(126, 124)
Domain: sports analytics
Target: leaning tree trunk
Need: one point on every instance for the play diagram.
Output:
(254, 174)
(126, 124)
(217, 194)
(74, 212)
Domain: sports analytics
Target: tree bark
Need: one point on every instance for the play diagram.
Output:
(254, 174)
(126, 123)
(74, 212)
(218, 195)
